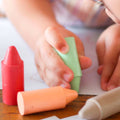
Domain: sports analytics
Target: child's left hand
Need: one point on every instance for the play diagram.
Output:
(108, 51)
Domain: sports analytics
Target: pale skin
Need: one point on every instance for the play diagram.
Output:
(36, 23)
(108, 49)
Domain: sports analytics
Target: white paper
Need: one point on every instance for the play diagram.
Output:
(90, 82)
(76, 117)
(51, 118)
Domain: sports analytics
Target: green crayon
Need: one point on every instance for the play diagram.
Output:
(72, 61)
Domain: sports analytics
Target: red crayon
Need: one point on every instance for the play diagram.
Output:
(12, 76)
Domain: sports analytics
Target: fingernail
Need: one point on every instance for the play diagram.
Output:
(64, 49)
(62, 85)
(100, 69)
(104, 86)
(67, 77)
(65, 85)
(111, 87)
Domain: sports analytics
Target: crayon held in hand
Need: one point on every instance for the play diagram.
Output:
(72, 61)
(44, 99)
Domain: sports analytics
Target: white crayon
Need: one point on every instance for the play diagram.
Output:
(102, 106)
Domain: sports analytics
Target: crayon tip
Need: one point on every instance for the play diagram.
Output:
(90, 111)
(12, 56)
(70, 95)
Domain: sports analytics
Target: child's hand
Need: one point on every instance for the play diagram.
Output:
(108, 50)
(50, 66)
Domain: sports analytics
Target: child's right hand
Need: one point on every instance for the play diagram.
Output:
(50, 66)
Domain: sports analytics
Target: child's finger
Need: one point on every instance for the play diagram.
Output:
(53, 77)
(112, 16)
(80, 47)
(56, 40)
(59, 82)
(39, 68)
(55, 64)
(115, 79)
(100, 69)
(110, 61)
(100, 49)
(85, 62)
(65, 85)
(52, 80)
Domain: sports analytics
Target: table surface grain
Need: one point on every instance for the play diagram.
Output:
(12, 113)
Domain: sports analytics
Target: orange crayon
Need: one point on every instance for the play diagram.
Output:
(44, 99)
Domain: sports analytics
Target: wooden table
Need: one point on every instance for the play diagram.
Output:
(12, 113)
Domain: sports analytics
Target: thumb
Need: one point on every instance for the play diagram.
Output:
(56, 40)
(85, 62)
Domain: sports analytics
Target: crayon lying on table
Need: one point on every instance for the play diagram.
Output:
(44, 99)
(102, 106)
(72, 61)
